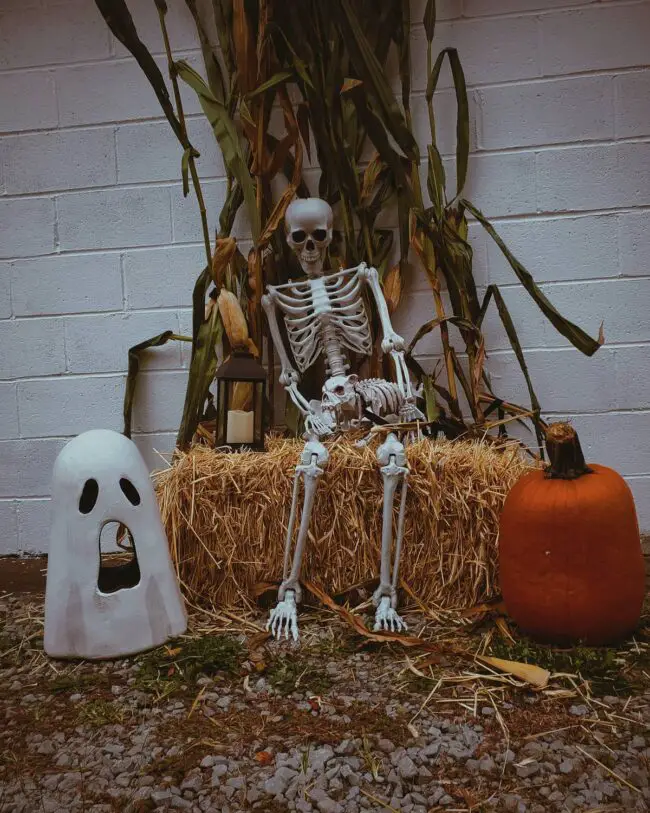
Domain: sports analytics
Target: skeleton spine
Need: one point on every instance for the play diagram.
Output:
(335, 360)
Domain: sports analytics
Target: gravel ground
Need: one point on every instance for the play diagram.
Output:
(232, 722)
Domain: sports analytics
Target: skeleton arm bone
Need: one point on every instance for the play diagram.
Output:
(392, 342)
(289, 376)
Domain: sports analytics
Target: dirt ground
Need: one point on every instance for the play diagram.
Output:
(223, 719)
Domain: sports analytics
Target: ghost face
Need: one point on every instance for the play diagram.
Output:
(339, 397)
(100, 478)
(308, 223)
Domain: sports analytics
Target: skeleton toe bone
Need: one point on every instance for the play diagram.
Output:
(387, 618)
(284, 618)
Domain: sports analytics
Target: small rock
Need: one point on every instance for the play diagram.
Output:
(406, 768)
(236, 782)
(328, 805)
(146, 781)
(279, 782)
(579, 711)
(431, 750)
(193, 781)
(345, 747)
(529, 769)
(159, 796)
(566, 766)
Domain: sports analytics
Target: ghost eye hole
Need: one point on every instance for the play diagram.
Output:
(319, 234)
(340, 390)
(88, 496)
(298, 235)
(130, 491)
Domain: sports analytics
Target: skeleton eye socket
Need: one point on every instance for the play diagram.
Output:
(319, 234)
(340, 390)
(298, 236)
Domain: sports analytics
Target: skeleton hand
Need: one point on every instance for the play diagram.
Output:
(410, 413)
(317, 424)
(386, 618)
(392, 342)
(284, 616)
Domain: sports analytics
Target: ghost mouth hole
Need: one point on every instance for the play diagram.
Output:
(118, 561)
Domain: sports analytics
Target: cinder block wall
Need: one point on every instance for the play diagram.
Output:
(99, 250)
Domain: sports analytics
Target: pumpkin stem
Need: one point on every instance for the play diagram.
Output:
(567, 461)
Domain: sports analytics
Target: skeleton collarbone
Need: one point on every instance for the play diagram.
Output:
(323, 316)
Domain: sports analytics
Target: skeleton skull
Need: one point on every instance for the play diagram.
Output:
(339, 397)
(308, 223)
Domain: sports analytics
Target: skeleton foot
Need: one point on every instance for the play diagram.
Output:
(284, 617)
(386, 618)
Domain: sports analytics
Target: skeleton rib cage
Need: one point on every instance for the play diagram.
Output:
(324, 309)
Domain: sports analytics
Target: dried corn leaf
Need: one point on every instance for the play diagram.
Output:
(573, 333)
(392, 284)
(134, 369)
(528, 672)
(226, 134)
(119, 20)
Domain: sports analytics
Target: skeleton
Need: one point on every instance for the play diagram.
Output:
(325, 314)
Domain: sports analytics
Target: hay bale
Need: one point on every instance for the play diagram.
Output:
(226, 516)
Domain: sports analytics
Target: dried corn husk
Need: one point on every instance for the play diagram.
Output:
(234, 321)
(224, 251)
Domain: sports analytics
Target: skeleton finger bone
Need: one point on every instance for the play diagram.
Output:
(284, 618)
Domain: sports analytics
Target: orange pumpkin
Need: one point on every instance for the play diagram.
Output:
(570, 558)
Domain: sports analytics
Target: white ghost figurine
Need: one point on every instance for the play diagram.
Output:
(100, 477)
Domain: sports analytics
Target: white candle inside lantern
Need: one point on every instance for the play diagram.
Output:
(239, 428)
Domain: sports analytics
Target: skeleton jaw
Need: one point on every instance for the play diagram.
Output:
(311, 263)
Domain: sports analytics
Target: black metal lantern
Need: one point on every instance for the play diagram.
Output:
(241, 420)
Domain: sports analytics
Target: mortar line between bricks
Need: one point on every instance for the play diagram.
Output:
(539, 12)
(421, 287)
(543, 12)
(500, 351)
(110, 374)
(157, 118)
(185, 53)
(173, 184)
(523, 217)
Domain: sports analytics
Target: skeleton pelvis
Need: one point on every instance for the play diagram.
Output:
(339, 395)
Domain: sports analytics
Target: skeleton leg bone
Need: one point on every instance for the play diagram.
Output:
(394, 471)
(284, 616)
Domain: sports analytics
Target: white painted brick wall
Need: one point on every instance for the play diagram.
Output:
(99, 250)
